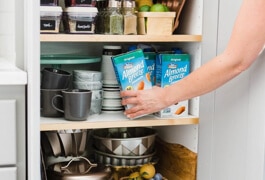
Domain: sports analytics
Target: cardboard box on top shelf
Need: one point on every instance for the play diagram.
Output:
(155, 23)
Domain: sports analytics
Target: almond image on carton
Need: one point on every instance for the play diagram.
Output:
(131, 69)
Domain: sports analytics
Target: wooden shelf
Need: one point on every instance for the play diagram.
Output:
(113, 120)
(118, 38)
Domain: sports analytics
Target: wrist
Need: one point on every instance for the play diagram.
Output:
(169, 96)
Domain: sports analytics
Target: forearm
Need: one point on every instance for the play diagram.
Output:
(247, 40)
(210, 76)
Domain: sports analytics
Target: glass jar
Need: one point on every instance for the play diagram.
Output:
(114, 18)
(99, 20)
(129, 17)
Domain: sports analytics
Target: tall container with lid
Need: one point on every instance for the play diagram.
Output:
(109, 77)
(111, 102)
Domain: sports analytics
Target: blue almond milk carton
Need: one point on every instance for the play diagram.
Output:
(131, 71)
(150, 60)
(170, 68)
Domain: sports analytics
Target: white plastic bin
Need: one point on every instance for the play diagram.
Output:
(50, 18)
(80, 19)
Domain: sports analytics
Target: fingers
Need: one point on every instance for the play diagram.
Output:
(130, 93)
(134, 112)
(128, 100)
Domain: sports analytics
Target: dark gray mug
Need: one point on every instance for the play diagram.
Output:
(76, 104)
(52, 78)
(47, 109)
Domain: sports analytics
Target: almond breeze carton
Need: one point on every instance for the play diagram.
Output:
(131, 71)
(171, 68)
(150, 59)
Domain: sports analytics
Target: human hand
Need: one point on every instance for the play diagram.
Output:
(144, 101)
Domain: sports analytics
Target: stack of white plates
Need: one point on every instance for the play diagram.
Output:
(111, 100)
(92, 80)
(111, 92)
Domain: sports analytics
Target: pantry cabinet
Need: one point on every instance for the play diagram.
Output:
(216, 137)
(183, 130)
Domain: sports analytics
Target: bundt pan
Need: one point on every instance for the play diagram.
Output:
(122, 161)
(125, 141)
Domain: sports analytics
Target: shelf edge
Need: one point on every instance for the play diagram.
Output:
(115, 124)
(118, 38)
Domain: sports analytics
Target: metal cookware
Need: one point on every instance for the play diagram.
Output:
(125, 141)
(116, 160)
(78, 168)
(50, 143)
(64, 142)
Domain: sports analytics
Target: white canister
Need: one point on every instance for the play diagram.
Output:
(109, 77)
(80, 19)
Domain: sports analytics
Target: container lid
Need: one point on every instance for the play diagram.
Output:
(114, 3)
(51, 9)
(81, 10)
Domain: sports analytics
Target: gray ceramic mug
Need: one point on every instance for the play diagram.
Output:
(52, 78)
(46, 97)
(76, 103)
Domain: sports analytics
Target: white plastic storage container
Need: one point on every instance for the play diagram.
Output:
(50, 18)
(80, 19)
(87, 3)
(49, 2)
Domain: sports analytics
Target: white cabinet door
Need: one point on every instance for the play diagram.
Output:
(8, 173)
(7, 133)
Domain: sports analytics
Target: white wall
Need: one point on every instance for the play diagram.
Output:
(231, 140)
(7, 30)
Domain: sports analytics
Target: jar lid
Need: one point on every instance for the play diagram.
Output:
(114, 3)
(51, 9)
(81, 9)
(128, 3)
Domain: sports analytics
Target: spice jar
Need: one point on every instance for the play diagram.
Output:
(129, 17)
(100, 18)
(114, 18)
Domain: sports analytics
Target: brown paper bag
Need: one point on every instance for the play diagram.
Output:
(176, 162)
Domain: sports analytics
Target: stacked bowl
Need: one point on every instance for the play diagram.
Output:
(124, 146)
(91, 80)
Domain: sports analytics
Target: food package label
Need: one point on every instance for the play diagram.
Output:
(131, 71)
(171, 68)
(150, 58)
